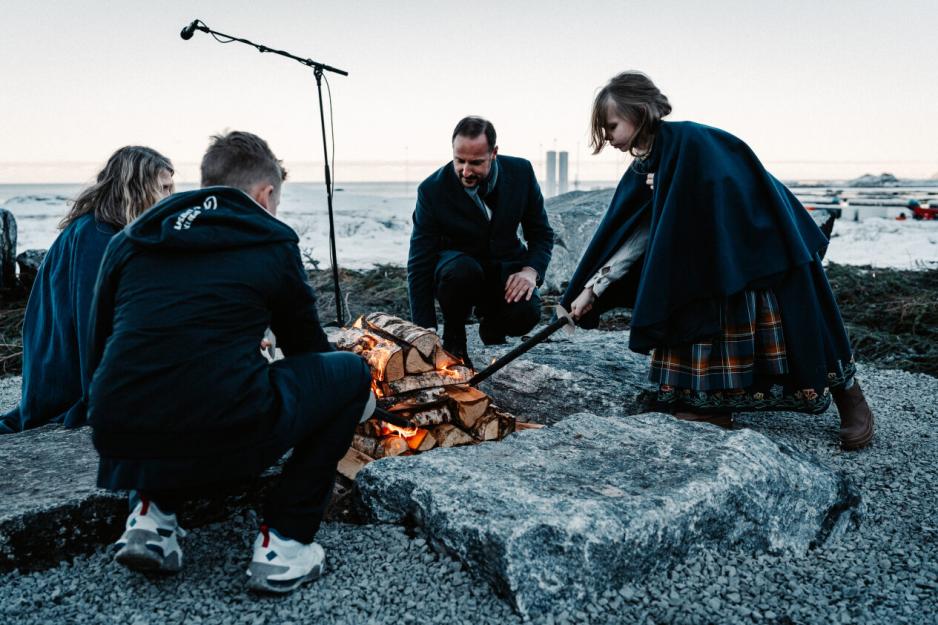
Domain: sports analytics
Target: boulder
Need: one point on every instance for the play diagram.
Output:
(7, 249)
(574, 217)
(579, 508)
(29, 262)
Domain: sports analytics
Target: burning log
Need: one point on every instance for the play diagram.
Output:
(420, 385)
(425, 417)
(454, 375)
(507, 422)
(487, 428)
(471, 404)
(442, 359)
(352, 462)
(365, 444)
(415, 363)
(423, 340)
(448, 435)
(416, 399)
(385, 357)
(391, 446)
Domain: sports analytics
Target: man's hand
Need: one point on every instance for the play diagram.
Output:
(520, 286)
(583, 303)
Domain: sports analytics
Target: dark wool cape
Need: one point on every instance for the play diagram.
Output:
(720, 224)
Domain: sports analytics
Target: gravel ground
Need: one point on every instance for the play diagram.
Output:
(885, 572)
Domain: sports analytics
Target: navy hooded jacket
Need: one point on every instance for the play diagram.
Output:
(183, 298)
(56, 326)
(720, 223)
(446, 218)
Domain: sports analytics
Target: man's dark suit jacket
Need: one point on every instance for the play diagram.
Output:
(446, 219)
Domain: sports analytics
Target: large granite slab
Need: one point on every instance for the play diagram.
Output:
(573, 510)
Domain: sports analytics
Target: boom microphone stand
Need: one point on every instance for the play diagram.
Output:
(318, 70)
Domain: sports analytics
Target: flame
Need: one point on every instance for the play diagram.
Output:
(389, 429)
(376, 389)
(412, 436)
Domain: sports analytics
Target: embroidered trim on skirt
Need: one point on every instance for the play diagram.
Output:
(743, 369)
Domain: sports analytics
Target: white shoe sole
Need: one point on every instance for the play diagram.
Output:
(259, 578)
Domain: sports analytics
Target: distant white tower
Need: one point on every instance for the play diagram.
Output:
(551, 173)
(562, 168)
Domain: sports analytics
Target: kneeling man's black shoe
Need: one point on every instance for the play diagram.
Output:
(457, 347)
(490, 337)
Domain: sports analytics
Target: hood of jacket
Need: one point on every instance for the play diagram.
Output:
(212, 218)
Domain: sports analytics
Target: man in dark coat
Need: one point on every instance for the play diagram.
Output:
(465, 250)
(181, 398)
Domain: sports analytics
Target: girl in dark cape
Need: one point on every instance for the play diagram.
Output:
(721, 265)
(57, 317)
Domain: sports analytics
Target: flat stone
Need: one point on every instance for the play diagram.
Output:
(571, 511)
(52, 510)
(51, 507)
(590, 370)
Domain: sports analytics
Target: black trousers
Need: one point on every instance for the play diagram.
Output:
(462, 282)
(322, 399)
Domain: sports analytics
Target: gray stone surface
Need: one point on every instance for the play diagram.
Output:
(574, 217)
(566, 513)
(51, 508)
(590, 370)
(886, 572)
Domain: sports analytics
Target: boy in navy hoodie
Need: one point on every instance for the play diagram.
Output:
(180, 397)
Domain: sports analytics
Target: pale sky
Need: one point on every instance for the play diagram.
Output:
(818, 89)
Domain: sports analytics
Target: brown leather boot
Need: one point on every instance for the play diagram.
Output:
(724, 420)
(856, 418)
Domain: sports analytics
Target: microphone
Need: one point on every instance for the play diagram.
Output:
(187, 32)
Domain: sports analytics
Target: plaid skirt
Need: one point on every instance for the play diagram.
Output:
(743, 369)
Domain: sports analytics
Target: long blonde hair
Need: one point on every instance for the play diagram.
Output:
(638, 100)
(128, 185)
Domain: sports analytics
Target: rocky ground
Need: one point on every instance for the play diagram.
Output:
(885, 571)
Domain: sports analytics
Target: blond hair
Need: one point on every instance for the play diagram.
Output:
(128, 185)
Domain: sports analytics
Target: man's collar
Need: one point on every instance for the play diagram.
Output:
(488, 185)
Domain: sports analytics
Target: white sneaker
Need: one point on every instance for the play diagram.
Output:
(150, 540)
(281, 564)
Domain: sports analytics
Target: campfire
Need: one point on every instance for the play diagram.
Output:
(416, 379)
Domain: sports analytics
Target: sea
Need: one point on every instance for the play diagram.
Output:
(373, 221)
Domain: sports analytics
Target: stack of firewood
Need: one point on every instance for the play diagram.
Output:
(414, 377)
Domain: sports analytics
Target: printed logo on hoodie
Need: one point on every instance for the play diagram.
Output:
(186, 217)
